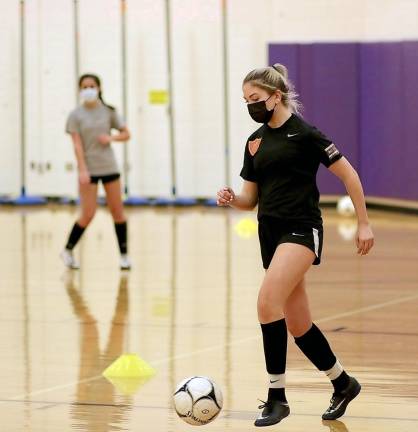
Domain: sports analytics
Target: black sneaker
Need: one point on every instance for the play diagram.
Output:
(273, 412)
(340, 401)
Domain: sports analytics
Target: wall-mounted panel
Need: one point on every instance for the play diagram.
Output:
(9, 98)
(148, 102)
(198, 83)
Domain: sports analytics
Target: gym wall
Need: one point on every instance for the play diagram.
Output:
(64, 39)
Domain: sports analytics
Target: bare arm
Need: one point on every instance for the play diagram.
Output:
(348, 175)
(83, 173)
(246, 200)
(122, 136)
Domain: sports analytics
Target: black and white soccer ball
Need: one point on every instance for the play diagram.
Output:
(197, 400)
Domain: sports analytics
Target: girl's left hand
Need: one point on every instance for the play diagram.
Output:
(104, 139)
(364, 239)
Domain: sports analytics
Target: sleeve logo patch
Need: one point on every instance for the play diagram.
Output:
(332, 151)
(253, 146)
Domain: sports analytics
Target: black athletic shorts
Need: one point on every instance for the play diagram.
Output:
(273, 232)
(104, 178)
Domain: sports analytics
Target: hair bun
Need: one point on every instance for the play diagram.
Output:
(281, 69)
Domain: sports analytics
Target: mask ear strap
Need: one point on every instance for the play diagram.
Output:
(281, 95)
(269, 98)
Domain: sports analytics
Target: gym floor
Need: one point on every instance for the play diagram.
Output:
(188, 307)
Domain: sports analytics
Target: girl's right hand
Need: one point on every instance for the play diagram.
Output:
(83, 177)
(225, 197)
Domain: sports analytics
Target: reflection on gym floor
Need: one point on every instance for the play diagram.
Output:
(188, 308)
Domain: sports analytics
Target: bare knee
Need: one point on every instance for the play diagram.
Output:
(292, 325)
(117, 212)
(269, 308)
(297, 312)
(118, 217)
(286, 270)
(298, 325)
(86, 217)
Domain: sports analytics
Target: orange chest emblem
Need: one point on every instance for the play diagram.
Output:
(253, 146)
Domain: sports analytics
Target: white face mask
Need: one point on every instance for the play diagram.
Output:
(89, 94)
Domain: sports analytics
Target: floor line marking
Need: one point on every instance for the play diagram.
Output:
(216, 347)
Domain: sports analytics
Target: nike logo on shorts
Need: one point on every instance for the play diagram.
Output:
(299, 235)
(292, 135)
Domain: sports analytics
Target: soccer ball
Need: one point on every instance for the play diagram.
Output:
(345, 206)
(197, 400)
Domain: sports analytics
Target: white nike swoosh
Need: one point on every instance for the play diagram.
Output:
(299, 235)
(292, 135)
(338, 406)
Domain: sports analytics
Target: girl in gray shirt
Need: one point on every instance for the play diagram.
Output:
(90, 126)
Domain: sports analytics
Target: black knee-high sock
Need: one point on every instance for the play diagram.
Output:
(275, 351)
(74, 236)
(316, 347)
(122, 235)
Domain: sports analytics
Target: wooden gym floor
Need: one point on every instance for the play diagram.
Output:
(188, 308)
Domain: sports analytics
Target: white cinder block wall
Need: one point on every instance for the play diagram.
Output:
(49, 91)
(196, 41)
(149, 150)
(9, 99)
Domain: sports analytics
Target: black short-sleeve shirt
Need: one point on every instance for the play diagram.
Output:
(284, 162)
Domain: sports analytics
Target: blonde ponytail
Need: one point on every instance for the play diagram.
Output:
(275, 78)
(282, 69)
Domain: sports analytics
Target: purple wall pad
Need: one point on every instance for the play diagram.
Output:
(304, 88)
(334, 83)
(381, 128)
(409, 180)
(369, 107)
(326, 78)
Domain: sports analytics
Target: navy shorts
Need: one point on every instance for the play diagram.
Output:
(273, 231)
(104, 178)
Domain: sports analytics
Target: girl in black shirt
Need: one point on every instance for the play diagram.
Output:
(281, 161)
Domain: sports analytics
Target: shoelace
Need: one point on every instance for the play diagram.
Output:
(332, 401)
(264, 404)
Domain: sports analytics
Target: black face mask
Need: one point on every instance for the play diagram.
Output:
(259, 112)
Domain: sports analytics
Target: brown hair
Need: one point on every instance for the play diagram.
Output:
(96, 79)
(275, 78)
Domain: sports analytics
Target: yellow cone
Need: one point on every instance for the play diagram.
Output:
(129, 366)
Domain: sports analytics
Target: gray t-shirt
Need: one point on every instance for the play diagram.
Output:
(89, 123)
